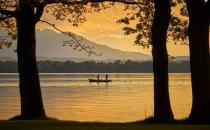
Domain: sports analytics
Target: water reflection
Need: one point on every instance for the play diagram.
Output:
(71, 97)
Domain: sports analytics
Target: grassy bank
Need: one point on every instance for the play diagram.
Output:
(67, 125)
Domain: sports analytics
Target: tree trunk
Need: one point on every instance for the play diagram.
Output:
(199, 56)
(30, 91)
(162, 107)
(208, 13)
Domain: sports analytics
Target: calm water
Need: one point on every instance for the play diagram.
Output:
(71, 97)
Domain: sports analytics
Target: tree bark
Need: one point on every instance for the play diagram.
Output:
(29, 84)
(207, 5)
(162, 107)
(199, 56)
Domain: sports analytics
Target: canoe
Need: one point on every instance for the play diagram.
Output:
(100, 80)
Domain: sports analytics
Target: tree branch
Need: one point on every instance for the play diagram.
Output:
(39, 12)
(75, 40)
(3, 18)
(207, 5)
(5, 14)
(84, 2)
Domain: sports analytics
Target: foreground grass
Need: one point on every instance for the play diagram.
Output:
(67, 125)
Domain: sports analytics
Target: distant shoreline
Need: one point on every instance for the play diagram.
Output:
(96, 67)
(100, 73)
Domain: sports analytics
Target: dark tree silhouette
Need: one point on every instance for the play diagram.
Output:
(31, 99)
(162, 107)
(199, 56)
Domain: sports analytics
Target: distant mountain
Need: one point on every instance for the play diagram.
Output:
(50, 47)
(7, 58)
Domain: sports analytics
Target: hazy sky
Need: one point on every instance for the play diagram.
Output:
(103, 29)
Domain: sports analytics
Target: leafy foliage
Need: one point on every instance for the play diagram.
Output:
(139, 22)
(7, 40)
(5, 43)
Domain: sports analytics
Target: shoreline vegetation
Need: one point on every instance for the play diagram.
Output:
(54, 124)
(96, 67)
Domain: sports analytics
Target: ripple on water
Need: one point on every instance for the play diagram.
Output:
(71, 97)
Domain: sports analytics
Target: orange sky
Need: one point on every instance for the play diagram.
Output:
(103, 29)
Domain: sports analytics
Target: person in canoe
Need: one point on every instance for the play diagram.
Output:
(98, 77)
(106, 77)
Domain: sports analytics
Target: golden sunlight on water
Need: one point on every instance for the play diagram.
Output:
(71, 97)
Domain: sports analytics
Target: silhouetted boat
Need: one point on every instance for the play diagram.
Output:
(100, 80)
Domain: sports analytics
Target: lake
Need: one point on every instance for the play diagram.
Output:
(71, 97)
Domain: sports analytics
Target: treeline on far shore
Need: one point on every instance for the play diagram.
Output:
(96, 67)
